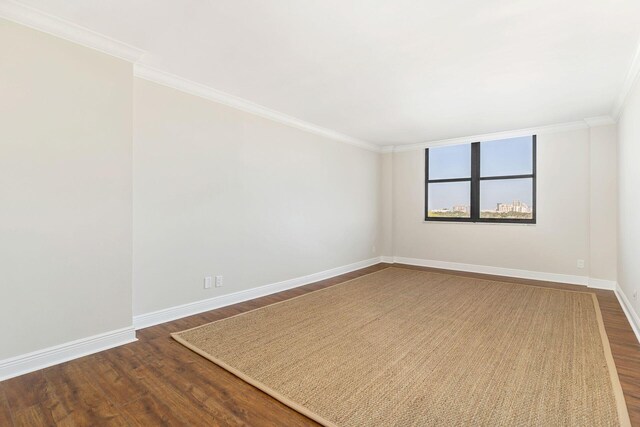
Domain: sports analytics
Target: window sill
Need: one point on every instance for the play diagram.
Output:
(480, 223)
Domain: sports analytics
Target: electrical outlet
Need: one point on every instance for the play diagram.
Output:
(373, 249)
(218, 281)
(580, 263)
(207, 282)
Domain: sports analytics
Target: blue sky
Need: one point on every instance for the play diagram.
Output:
(503, 157)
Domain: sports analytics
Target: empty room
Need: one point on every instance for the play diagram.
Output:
(336, 213)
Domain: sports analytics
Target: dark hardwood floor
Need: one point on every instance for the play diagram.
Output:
(156, 381)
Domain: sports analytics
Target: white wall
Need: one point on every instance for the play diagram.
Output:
(603, 194)
(386, 202)
(218, 191)
(553, 245)
(65, 191)
(629, 198)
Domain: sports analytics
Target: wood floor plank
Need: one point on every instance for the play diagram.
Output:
(76, 400)
(150, 411)
(26, 391)
(31, 416)
(118, 386)
(5, 412)
(156, 381)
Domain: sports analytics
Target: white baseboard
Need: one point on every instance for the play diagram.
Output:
(387, 259)
(172, 313)
(609, 285)
(509, 272)
(41, 359)
(497, 271)
(632, 316)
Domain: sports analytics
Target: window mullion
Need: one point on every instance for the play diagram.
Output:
(475, 181)
(426, 184)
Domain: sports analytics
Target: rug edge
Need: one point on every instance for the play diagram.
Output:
(257, 384)
(618, 393)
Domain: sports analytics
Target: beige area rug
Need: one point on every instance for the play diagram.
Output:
(401, 347)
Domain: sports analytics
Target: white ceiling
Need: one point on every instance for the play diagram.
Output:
(387, 72)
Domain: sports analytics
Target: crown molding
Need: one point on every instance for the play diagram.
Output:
(599, 121)
(632, 77)
(387, 149)
(50, 24)
(171, 80)
(560, 127)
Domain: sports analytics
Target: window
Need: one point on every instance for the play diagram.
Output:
(492, 181)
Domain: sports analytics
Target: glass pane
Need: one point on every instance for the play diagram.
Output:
(506, 198)
(453, 161)
(449, 200)
(512, 156)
